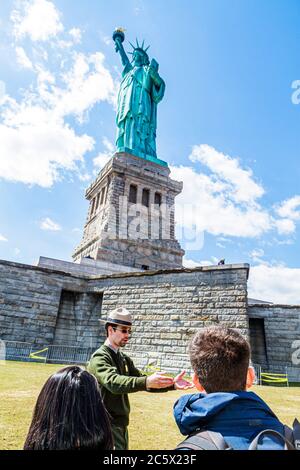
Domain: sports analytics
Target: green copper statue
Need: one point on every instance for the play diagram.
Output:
(140, 91)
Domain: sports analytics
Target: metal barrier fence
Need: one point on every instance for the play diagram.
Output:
(257, 369)
(276, 374)
(54, 354)
(148, 361)
(17, 351)
(57, 354)
(68, 354)
(151, 362)
(274, 379)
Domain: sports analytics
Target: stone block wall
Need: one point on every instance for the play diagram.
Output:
(30, 301)
(169, 306)
(77, 321)
(43, 306)
(282, 329)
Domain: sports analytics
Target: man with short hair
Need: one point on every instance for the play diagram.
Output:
(220, 360)
(118, 376)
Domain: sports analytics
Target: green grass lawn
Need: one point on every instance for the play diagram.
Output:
(152, 425)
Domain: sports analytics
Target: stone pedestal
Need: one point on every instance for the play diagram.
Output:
(130, 220)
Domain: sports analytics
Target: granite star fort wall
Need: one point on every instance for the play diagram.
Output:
(44, 306)
(282, 334)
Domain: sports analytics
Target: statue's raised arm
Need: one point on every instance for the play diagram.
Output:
(118, 37)
(141, 89)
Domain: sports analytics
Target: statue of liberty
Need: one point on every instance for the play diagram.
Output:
(141, 89)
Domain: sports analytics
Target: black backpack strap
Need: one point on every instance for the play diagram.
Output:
(293, 435)
(287, 444)
(288, 434)
(204, 440)
(296, 434)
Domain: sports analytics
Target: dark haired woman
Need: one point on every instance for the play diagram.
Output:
(69, 414)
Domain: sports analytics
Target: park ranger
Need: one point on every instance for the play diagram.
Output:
(118, 376)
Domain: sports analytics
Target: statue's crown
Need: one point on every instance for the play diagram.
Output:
(139, 47)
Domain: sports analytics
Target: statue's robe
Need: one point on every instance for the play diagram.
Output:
(136, 114)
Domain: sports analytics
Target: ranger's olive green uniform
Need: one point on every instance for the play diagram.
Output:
(117, 377)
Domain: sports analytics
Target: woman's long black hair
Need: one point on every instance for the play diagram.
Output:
(70, 414)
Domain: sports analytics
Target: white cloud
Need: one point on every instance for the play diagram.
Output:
(288, 208)
(101, 160)
(190, 263)
(220, 245)
(214, 212)
(240, 182)
(108, 144)
(37, 145)
(285, 226)
(137, 10)
(107, 40)
(84, 176)
(48, 224)
(226, 200)
(283, 242)
(206, 263)
(224, 240)
(23, 59)
(17, 251)
(103, 157)
(2, 90)
(87, 83)
(39, 19)
(35, 153)
(2, 238)
(76, 34)
(278, 284)
(257, 254)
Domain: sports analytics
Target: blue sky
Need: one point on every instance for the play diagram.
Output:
(228, 125)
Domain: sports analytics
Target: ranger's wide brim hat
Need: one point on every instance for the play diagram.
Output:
(119, 316)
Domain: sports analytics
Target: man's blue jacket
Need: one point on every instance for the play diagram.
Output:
(238, 416)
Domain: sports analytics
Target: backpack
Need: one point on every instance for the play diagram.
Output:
(210, 440)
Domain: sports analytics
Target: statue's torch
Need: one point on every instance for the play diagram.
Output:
(118, 37)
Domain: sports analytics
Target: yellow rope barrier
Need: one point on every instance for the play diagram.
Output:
(274, 378)
(34, 355)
